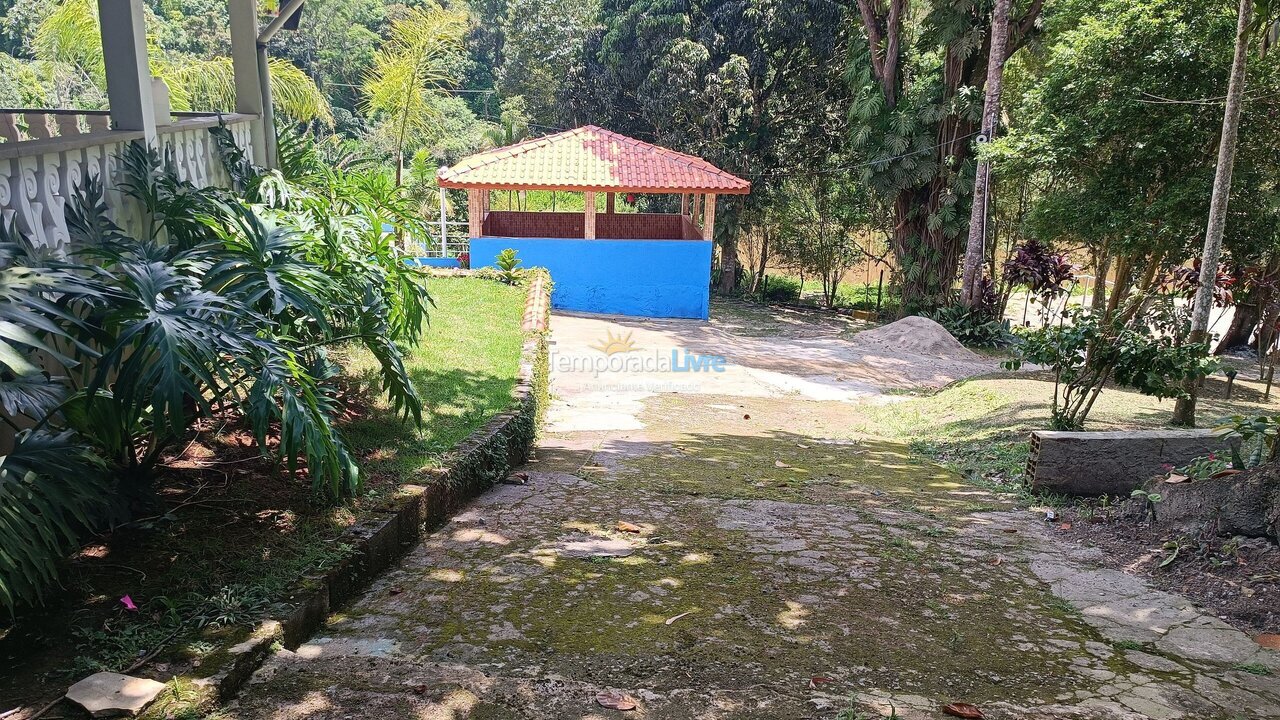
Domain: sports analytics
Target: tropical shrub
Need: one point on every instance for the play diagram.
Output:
(1087, 350)
(973, 328)
(218, 308)
(1034, 266)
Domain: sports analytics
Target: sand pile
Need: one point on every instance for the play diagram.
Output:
(918, 336)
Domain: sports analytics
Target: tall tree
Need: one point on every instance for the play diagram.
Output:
(754, 86)
(1184, 412)
(420, 59)
(970, 289)
(914, 115)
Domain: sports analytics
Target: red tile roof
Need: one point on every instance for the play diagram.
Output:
(590, 158)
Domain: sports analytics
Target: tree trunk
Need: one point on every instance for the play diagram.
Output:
(1101, 267)
(970, 294)
(926, 257)
(1247, 503)
(1184, 412)
(1243, 322)
(729, 264)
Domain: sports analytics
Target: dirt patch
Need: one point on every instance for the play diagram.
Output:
(918, 336)
(1236, 579)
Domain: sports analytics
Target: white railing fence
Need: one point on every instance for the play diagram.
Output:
(39, 175)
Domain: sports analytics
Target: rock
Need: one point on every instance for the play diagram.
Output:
(108, 694)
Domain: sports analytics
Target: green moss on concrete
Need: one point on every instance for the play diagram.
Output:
(863, 473)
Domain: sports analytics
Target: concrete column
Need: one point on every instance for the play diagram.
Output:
(124, 57)
(244, 62)
(589, 225)
(693, 210)
(709, 218)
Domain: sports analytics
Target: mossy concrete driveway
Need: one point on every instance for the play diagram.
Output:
(720, 544)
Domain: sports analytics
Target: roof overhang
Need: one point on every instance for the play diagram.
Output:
(590, 159)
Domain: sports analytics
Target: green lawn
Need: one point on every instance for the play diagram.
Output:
(465, 368)
(981, 425)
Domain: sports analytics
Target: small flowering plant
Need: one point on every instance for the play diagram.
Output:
(1202, 468)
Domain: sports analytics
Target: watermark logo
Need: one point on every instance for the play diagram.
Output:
(615, 344)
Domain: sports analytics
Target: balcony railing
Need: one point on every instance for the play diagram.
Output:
(47, 154)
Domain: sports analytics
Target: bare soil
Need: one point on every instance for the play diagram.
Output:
(1236, 579)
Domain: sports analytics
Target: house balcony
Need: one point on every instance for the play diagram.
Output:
(46, 154)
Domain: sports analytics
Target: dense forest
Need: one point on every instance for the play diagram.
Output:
(858, 123)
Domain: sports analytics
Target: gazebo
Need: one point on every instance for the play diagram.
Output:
(626, 263)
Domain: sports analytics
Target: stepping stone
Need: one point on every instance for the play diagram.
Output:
(108, 694)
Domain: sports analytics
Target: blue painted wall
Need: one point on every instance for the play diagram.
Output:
(439, 262)
(641, 278)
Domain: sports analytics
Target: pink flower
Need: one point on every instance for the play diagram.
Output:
(128, 604)
(1213, 456)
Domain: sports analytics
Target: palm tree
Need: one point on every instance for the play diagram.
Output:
(411, 69)
(1184, 412)
(512, 125)
(71, 34)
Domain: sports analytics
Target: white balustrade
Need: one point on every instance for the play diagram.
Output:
(39, 176)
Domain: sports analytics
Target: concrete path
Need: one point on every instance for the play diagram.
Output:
(720, 544)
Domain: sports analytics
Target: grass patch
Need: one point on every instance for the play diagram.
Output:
(465, 369)
(1254, 669)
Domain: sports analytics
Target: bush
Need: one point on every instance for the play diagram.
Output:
(110, 356)
(972, 328)
(781, 289)
(1089, 349)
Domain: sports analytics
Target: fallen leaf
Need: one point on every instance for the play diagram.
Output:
(746, 417)
(395, 590)
(814, 682)
(1064, 526)
(1010, 530)
(624, 526)
(1224, 473)
(128, 604)
(615, 700)
(1174, 479)
(802, 446)
(780, 464)
(997, 560)
(1269, 641)
(677, 617)
(963, 710)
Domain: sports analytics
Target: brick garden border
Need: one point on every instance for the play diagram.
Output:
(483, 458)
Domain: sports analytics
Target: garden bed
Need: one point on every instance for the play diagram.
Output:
(236, 532)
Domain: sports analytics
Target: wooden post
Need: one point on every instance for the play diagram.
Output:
(589, 222)
(444, 223)
(709, 218)
(684, 205)
(608, 202)
(124, 58)
(244, 64)
(475, 213)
